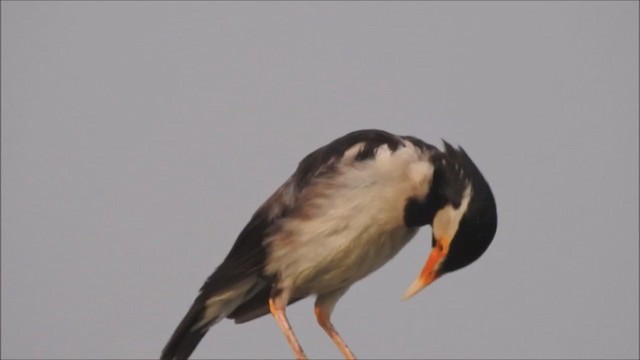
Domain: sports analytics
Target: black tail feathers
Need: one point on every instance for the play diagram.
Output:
(211, 306)
(187, 335)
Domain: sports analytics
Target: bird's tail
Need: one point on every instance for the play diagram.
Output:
(205, 312)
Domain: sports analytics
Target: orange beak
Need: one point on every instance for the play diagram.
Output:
(429, 272)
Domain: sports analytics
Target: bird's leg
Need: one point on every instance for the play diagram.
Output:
(323, 308)
(277, 308)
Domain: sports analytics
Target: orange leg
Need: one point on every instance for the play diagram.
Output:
(323, 308)
(277, 309)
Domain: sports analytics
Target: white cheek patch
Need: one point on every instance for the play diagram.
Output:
(447, 220)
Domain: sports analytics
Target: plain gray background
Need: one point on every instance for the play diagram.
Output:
(138, 139)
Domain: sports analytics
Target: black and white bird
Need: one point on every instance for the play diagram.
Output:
(349, 207)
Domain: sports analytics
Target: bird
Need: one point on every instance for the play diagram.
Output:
(348, 208)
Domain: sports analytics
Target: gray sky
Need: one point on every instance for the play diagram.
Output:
(138, 139)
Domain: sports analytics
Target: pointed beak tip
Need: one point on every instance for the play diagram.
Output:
(406, 296)
(413, 289)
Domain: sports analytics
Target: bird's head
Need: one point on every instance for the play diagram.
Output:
(462, 213)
